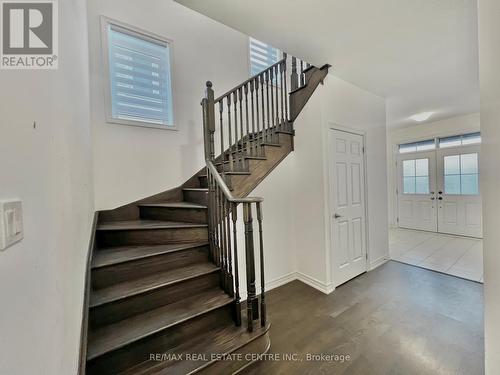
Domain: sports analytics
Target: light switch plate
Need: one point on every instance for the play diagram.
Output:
(11, 223)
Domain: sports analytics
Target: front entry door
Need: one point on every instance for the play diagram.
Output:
(459, 199)
(417, 207)
(348, 225)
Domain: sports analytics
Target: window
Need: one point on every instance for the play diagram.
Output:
(416, 176)
(417, 146)
(460, 140)
(140, 85)
(262, 56)
(461, 174)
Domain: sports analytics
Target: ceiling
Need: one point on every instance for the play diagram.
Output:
(421, 55)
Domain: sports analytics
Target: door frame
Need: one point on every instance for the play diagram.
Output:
(331, 252)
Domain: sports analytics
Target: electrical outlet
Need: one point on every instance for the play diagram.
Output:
(11, 223)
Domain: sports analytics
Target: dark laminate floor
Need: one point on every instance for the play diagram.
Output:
(397, 319)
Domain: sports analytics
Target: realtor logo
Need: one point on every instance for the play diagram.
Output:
(29, 34)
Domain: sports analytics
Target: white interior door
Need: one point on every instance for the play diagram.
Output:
(348, 225)
(459, 198)
(417, 208)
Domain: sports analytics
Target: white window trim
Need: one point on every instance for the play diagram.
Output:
(105, 22)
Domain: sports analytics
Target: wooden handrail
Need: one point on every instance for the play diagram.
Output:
(225, 189)
(283, 60)
(241, 122)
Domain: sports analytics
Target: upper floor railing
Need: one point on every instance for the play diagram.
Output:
(237, 124)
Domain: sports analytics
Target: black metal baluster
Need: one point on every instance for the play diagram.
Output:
(237, 303)
(262, 279)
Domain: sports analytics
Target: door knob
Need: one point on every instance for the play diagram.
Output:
(432, 198)
(440, 198)
(337, 216)
(440, 192)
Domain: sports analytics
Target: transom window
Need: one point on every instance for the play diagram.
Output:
(460, 140)
(461, 174)
(416, 176)
(445, 142)
(417, 146)
(140, 85)
(262, 56)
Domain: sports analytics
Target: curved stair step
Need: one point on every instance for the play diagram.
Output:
(115, 336)
(146, 284)
(145, 225)
(122, 254)
(216, 342)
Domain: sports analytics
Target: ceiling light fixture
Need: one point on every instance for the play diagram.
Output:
(419, 117)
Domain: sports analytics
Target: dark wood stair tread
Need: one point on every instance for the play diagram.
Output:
(146, 224)
(219, 341)
(121, 254)
(186, 205)
(118, 335)
(145, 284)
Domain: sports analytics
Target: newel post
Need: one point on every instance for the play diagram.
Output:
(208, 109)
(209, 122)
(252, 302)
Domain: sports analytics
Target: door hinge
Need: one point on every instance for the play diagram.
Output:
(397, 191)
(366, 256)
(363, 148)
(397, 220)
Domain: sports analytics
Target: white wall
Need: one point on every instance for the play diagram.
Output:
(452, 126)
(48, 167)
(297, 219)
(296, 202)
(134, 162)
(489, 61)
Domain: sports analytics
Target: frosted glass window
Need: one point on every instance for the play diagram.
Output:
(461, 174)
(140, 77)
(416, 176)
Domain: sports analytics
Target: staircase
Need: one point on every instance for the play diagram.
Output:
(163, 279)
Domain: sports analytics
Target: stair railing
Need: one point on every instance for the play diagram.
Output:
(249, 116)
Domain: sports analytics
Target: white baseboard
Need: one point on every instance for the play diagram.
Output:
(378, 262)
(282, 280)
(316, 284)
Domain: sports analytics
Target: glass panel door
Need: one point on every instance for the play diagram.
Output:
(416, 191)
(459, 200)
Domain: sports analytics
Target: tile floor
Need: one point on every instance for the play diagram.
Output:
(453, 255)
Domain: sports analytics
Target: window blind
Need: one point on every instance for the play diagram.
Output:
(140, 78)
(262, 56)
